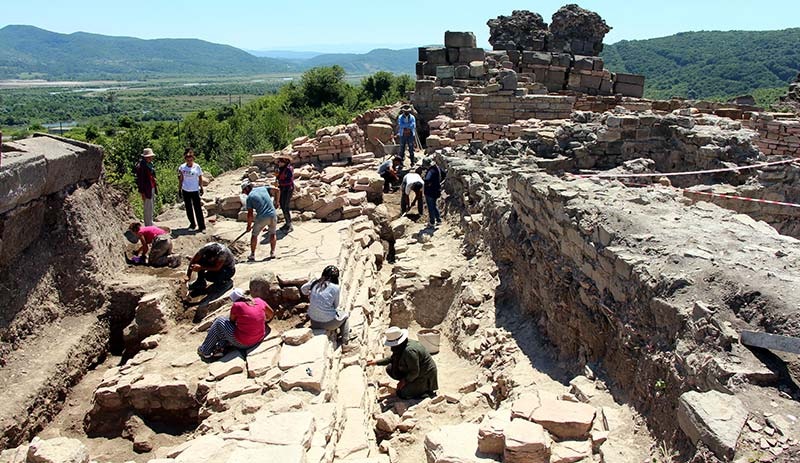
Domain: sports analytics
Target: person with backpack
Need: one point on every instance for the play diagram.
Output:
(323, 304)
(407, 131)
(243, 328)
(433, 178)
(190, 188)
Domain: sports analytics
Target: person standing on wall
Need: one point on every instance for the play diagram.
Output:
(260, 200)
(190, 187)
(285, 190)
(406, 130)
(146, 183)
(433, 189)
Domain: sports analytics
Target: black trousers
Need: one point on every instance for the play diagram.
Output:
(286, 196)
(194, 209)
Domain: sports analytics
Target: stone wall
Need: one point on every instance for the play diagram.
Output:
(779, 135)
(33, 169)
(612, 276)
(335, 144)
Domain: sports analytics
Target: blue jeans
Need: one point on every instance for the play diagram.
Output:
(407, 141)
(433, 210)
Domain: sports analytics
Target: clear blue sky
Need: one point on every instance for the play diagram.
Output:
(361, 25)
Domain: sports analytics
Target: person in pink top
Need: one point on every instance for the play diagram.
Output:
(243, 329)
(154, 239)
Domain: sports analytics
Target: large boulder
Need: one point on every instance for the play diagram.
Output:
(57, 450)
(523, 30)
(580, 29)
(458, 443)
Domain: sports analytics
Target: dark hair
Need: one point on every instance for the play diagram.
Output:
(135, 226)
(329, 275)
(187, 151)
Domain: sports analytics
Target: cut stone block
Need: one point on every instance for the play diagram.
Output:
(276, 453)
(297, 336)
(308, 377)
(352, 386)
(571, 451)
(491, 433)
(459, 39)
(234, 386)
(230, 364)
(293, 428)
(714, 418)
(259, 364)
(353, 442)
(312, 351)
(525, 405)
(567, 420)
(457, 443)
(58, 450)
(526, 442)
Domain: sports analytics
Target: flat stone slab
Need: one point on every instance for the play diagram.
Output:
(276, 453)
(58, 450)
(567, 420)
(491, 433)
(352, 387)
(571, 451)
(259, 364)
(354, 441)
(297, 336)
(230, 364)
(457, 443)
(312, 351)
(293, 428)
(714, 418)
(309, 377)
(526, 442)
(234, 386)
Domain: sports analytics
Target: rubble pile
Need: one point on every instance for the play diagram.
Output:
(335, 144)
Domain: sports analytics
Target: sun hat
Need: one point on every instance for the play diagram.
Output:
(131, 236)
(148, 153)
(427, 161)
(236, 294)
(395, 336)
(246, 184)
(405, 107)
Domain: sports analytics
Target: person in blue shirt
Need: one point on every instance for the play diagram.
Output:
(406, 130)
(259, 200)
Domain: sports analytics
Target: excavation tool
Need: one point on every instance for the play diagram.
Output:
(237, 238)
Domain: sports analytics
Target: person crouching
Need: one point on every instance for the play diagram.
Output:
(410, 364)
(156, 245)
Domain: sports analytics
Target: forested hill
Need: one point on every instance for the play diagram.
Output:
(710, 64)
(27, 51)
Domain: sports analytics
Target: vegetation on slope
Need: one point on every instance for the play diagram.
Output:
(710, 64)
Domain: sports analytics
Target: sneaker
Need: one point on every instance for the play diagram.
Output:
(272, 256)
(192, 226)
(251, 258)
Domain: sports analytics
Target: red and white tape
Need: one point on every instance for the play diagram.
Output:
(694, 172)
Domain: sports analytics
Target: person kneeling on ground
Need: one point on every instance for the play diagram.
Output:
(259, 199)
(243, 329)
(155, 240)
(410, 364)
(323, 306)
(388, 170)
(411, 182)
(214, 262)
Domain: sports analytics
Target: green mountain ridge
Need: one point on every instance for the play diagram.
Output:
(709, 64)
(706, 64)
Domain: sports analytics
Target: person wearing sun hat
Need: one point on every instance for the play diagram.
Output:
(410, 364)
(146, 183)
(243, 328)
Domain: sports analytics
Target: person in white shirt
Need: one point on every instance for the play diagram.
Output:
(411, 182)
(323, 304)
(190, 188)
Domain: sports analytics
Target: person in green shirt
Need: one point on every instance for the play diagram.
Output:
(411, 364)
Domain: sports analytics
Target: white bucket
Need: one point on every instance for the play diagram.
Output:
(429, 339)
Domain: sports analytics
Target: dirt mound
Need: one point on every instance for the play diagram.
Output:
(61, 273)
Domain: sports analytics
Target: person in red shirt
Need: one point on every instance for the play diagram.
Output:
(285, 189)
(244, 328)
(153, 239)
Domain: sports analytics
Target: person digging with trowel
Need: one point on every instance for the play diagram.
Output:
(410, 364)
(214, 262)
(155, 240)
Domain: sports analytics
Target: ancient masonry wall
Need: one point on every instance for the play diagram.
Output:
(613, 276)
(777, 137)
(33, 169)
(335, 144)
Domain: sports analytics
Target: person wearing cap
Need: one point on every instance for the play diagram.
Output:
(244, 328)
(433, 189)
(412, 181)
(285, 177)
(190, 187)
(410, 364)
(323, 304)
(214, 262)
(146, 183)
(406, 130)
(388, 170)
(153, 239)
(259, 200)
